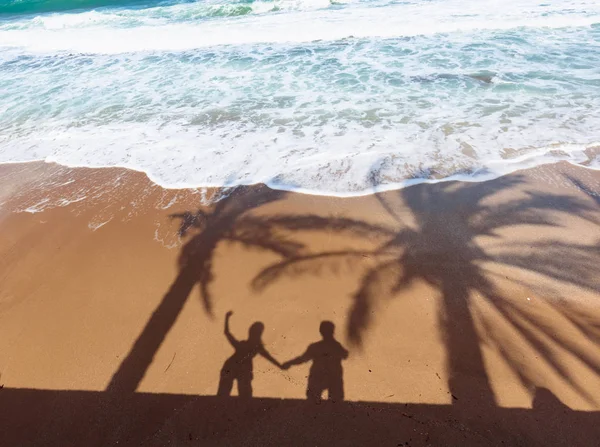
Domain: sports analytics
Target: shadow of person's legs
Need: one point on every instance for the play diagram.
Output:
(225, 383)
(336, 390)
(315, 388)
(245, 387)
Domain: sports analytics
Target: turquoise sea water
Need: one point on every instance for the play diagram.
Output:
(303, 94)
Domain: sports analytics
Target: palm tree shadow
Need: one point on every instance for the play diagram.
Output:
(227, 220)
(440, 246)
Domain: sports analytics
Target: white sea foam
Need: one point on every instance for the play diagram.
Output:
(118, 32)
(38, 207)
(171, 158)
(307, 97)
(97, 225)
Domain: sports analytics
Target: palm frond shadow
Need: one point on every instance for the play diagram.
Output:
(584, 188)
(542, 337)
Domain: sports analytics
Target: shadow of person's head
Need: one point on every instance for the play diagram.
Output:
(255, 332)
(327, 329)
(546, 400)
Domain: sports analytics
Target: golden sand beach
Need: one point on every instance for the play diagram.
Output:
(470, 311)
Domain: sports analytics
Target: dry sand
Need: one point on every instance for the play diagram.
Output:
(471, 311)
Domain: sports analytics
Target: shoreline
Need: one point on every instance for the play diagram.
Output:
(462, 296)
(476, 176)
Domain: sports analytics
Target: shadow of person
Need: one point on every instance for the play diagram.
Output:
(239, 365)
(326, 372)
(544, 400)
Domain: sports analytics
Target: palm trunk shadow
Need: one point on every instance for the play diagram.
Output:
(132, 370)
(468, 379)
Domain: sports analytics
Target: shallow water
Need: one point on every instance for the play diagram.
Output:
(324, 97)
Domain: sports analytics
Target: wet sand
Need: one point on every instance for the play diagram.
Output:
(471, 311)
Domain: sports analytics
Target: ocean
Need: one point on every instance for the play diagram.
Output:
(325, 97)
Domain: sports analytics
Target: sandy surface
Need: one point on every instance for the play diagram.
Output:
(475, 304)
